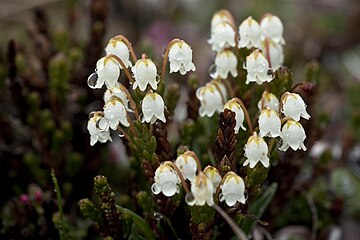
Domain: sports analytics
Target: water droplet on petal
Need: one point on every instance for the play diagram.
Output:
(271, 73)
(92, 80)
(157, 78)
(189, 198)
(212, 71)
(244, 65)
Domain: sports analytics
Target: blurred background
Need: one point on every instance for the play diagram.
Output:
(48, 48)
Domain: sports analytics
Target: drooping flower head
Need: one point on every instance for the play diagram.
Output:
(222, 36)
(153, 108)
(119, 92)
(234, 106)
(257, 67)
(269, 100)
(276, 54)
(115, 113)
(202, 190)
(269, 123)
(144, 73)
(294, 106)
(187, 165)
(212, 97)
(256, 150)
(220, 17)
(214, 175)
(166, 181)
(250, 34)
(225, 62)
(232, 189)
(119, 48)
(107, 71)
(272, 28)
(180, 58)
(98, 128)
(293, 135)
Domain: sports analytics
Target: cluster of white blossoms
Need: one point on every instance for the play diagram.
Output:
(292, 134)
(276, 120)
(266, 36)
(143, 74)
(205, 185)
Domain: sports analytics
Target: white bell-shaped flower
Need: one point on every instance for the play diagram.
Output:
(220, 17)
(145, 73)
(119, 92)
(107, 71)
(117, 47)
(232, 189)
(115, 113)
(257, 67)
(153, 108)
(272, 29)
(269, 123)
(276, 54)
(294, 106)
(269, 100)
(98, 128)
(166, 181)
(293, 135)
(214, 176)
(212, 97)
(256, 150)
(180, 58)
(222, 36)
(234, 106)
(202, 190)
(250, 34)
(225, 62)
(187, 165)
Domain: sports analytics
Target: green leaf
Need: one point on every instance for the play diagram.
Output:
(258, 207)
(140, 223)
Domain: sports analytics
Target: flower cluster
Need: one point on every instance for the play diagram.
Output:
(276, 119)
(205, 185)
(120, 110)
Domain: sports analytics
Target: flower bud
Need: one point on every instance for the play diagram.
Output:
(214, 176)
(202, 191)
(166, 181)
(144, 73)
(294, 106)
(187, 165)
(293, 135)
(119, 92)
(250, 33)
(269, 100)
(269, 123)
(211, 97)
(276, 54)
(257, 67)
(225, 62)
(272, 28)
(153, 108)
(222, 36)
(115, 113)
(234, 106)
(180, 58)
(232, 190)
(256, 150)
(117, 47)
(108, 72)
(98, 128)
